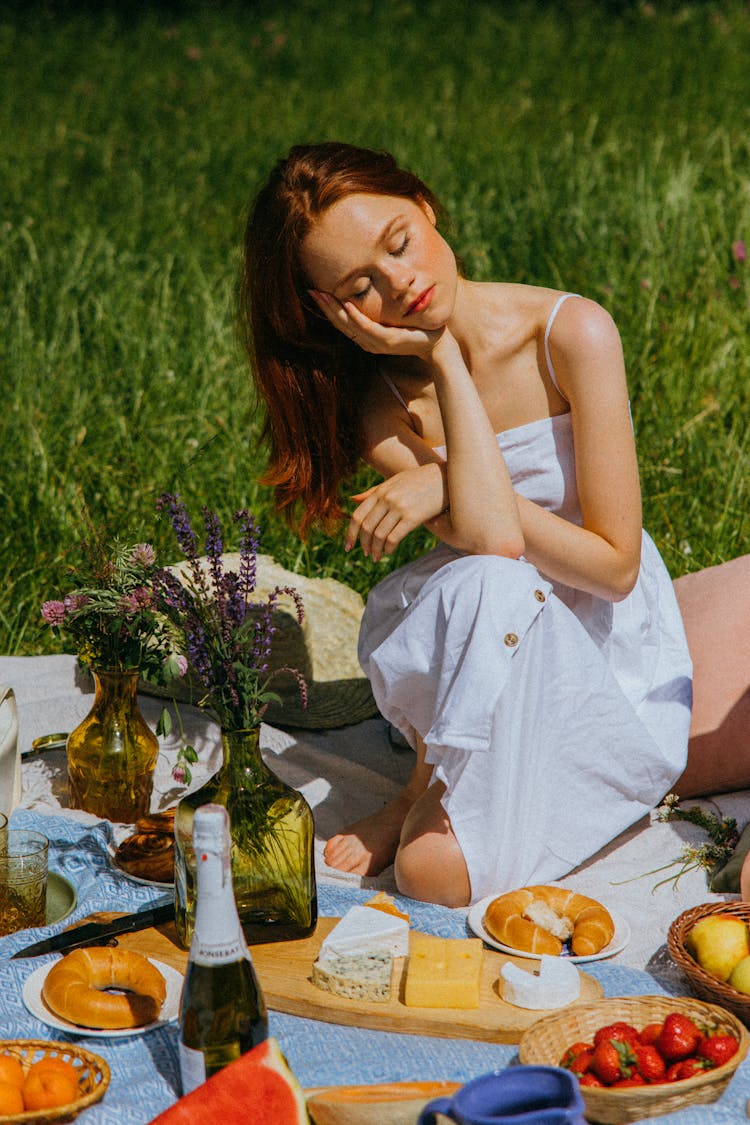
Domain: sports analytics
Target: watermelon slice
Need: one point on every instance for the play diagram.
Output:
(256, 1089)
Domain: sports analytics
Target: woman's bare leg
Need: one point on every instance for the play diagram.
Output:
(429, 863)
(715, 606)
(369, 845)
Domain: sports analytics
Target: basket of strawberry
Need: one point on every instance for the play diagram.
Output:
(641, 1056)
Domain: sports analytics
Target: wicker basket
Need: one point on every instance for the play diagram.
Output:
(93, 1077)
(546, 1041)
(704, 984)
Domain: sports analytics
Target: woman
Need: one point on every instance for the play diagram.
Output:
(536, 659)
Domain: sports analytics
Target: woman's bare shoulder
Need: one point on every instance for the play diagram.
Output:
(516, 303)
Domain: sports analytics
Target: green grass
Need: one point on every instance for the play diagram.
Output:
(601, 148)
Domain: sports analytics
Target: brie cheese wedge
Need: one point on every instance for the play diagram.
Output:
(364, 930)
(557, 983)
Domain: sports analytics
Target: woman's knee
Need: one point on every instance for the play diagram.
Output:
(431, 868)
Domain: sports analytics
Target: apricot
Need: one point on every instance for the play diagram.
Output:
(46, 1088)
(11, 1070)
(54, 1062)
(11, 1099)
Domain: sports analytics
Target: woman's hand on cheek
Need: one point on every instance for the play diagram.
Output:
(378, 339)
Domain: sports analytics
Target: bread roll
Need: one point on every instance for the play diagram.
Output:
(147, 855)
(75, 988)
(508, 920)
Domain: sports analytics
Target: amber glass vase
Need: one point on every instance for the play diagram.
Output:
(272, 831)
(113, 752)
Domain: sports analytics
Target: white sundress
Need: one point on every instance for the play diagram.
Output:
(556, 719)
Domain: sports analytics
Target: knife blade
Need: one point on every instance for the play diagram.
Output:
(95, 933)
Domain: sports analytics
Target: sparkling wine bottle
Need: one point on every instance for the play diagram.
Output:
(222, 1010)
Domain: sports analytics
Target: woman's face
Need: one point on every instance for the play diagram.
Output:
(383, 253)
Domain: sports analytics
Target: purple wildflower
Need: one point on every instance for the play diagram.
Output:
(739, 250)
(180, 521)
(143, 554)
(128, 605)
(143, 597)
(226, 636)
(249, 543)
(296, 598)
(54, 612)
(214, 548)
(75, 602)
(169, 590)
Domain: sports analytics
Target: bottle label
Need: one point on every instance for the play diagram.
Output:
(192, 1068)
(218, 953)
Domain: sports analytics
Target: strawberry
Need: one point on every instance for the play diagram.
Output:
(650, 1033)
(679, 1037)
(573, 1051)
(717, 1049)
(618, 1030)
(686, 1068)
(649, 1063)
(581, 1062)
(613, 1059)
(634, 1080)
(589, 1079)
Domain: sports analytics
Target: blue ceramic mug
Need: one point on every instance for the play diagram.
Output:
(520, 1095)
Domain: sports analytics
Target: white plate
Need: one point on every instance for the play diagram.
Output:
(476, 923)
(143, 882)
(32, 998)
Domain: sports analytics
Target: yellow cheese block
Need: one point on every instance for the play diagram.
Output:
(443, 972)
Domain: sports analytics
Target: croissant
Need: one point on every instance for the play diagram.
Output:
(510, 920)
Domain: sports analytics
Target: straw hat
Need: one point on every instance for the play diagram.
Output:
(323, 648)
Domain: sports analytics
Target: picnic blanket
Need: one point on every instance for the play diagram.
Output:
(343, 774)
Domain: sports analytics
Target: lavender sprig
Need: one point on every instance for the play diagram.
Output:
(226, 634)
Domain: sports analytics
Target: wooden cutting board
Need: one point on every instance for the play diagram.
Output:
(284, 970)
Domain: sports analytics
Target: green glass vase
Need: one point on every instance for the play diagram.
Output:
(272, 832)
(113, 752)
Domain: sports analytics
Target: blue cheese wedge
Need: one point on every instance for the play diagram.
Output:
(364, 930)
(363, 976)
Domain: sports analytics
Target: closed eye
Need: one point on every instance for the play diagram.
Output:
(360, 294)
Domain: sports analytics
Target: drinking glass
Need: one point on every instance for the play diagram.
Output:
(23, 879)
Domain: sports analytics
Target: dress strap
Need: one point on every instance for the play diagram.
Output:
(398, 395)
(555, 309)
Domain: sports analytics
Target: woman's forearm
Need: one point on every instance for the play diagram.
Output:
(483, 511)
(576, 556)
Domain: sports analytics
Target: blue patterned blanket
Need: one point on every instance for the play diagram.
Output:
(145, 1072)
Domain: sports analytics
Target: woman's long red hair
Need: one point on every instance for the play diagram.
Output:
(310, 378)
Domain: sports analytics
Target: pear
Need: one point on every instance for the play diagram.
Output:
(718, 943)
(740, 978)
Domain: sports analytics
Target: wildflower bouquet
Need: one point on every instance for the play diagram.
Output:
(225, 634)
(111, 617)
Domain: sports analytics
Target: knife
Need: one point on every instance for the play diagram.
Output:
(98, 933)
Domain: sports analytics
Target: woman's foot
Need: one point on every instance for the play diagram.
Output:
(369, 845)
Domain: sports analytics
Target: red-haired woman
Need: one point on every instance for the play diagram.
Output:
(536, 658)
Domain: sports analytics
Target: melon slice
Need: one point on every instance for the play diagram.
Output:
(256, 1089)
(391, 1103)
